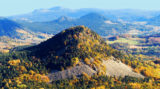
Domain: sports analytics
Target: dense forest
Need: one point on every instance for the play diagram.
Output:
(18, 70)
(28, 68)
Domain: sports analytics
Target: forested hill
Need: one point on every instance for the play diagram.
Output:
(76, 42)
(74, 57)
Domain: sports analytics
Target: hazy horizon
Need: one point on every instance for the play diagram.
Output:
(16, 7)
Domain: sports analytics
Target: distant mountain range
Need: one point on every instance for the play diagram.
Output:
(99, 23)
(43, 15)
(104, 22)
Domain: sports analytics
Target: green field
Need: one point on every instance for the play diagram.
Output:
(124, 40)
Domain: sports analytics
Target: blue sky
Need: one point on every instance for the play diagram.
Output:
(14, 7)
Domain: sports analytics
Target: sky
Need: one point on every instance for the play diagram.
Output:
(15, 7)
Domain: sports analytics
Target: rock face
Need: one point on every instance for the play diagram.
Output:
(119, 69)
(70, 73)
(114, 68)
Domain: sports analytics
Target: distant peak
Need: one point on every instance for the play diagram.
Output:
(94, 15)
(2, 18)
(63, 18)
(56, 8)
(47, 10)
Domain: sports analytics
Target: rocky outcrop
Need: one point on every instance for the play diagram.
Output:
(114, 68)
(76, 71)
(119, 69)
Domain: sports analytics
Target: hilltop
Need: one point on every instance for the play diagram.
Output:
(76, 42)
(79, 50)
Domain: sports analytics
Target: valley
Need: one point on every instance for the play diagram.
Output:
(27, 39)
(137, 45)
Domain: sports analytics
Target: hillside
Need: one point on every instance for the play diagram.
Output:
(8, 27)
(79, 48)
(77, 42)
(13, 34)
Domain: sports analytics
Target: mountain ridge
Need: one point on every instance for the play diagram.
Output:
(39, 15)
(99, 24)
(9, 27)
